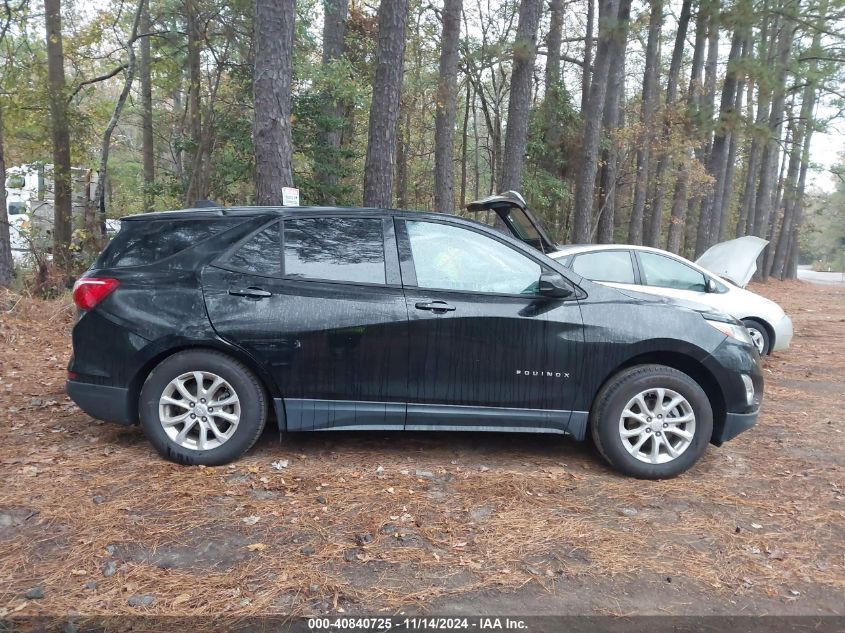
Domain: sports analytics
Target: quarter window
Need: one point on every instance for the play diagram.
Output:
(451, 258)
(612, 266)
(261, 254)
(335, 249)
(666, 272)
(145, 242)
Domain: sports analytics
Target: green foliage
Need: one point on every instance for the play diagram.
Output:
(554, 127)
(822, 237)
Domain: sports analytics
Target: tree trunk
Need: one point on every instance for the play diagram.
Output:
(403, 141)
(677, 221)
(446, 108)
(794, 192)
(274, 29)
(612, 119)
(726, 193)
(147, 145)
(652, 61)
(194, 70)
(766, 55)
(328, 164)
(7, 264)
(769, 162)
(62, 184)
(476, 153)
(588, 56)
(384, 110)
(653, 228)
(553, 93)
(586, 179)
(706, 110)
(790, 186)
(711, 207)
(752, 168)
(519, 103)
(99, 202)
(464, 140)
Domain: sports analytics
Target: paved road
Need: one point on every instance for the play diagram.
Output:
(836, 279)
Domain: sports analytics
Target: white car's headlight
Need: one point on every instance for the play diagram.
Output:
(734, 330)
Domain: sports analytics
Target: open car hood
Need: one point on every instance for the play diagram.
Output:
(512, 210)
(735, 260)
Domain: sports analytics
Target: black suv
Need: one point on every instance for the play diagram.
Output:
(202, 324)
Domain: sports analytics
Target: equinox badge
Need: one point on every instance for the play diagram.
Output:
(542, 374)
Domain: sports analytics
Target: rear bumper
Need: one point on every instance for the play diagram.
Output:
(783, 333)
(735, 423)
(111, 404)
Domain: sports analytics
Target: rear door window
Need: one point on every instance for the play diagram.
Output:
(335, 249)
(611, 266)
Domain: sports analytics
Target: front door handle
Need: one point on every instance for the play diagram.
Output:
(435, 306)
(252, 292)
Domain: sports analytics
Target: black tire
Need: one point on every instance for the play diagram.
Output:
(615, 395)
(755, 327)
(253, 407)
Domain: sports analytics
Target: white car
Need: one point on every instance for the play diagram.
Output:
(717, 279)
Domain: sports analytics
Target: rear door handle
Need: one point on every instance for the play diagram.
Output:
(435, 306)
(251, 292)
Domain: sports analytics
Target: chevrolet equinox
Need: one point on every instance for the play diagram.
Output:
(200, 325)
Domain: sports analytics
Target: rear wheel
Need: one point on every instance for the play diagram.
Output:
(202, 407)
(759, 334)
(651, 422)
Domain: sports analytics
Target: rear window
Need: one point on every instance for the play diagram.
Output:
(141, 242)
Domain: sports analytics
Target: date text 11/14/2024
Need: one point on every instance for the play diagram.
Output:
(481, 623)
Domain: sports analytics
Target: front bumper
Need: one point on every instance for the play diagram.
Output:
(111, 404)
(735, 423)
(783, 333)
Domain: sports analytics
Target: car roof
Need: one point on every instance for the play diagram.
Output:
(247, 211)
(574, 249)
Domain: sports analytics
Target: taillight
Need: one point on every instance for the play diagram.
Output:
(88, 292)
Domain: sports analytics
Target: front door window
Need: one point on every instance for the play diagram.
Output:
(666, 272)
(451, 258)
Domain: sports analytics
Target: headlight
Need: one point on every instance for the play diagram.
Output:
(734, 330)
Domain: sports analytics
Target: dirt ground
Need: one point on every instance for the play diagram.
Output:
(94, 522)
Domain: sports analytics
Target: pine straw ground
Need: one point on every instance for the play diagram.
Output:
(91, 515)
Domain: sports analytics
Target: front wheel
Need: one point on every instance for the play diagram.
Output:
(651, 422)
(759, 335)
(202, 407)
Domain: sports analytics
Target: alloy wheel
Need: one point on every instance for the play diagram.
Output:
(199, 410)
(757, 338)
(657, 425)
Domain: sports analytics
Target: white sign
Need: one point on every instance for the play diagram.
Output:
(290, 197)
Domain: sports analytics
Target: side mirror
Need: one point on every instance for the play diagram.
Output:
(555, 286)
(710, 285)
